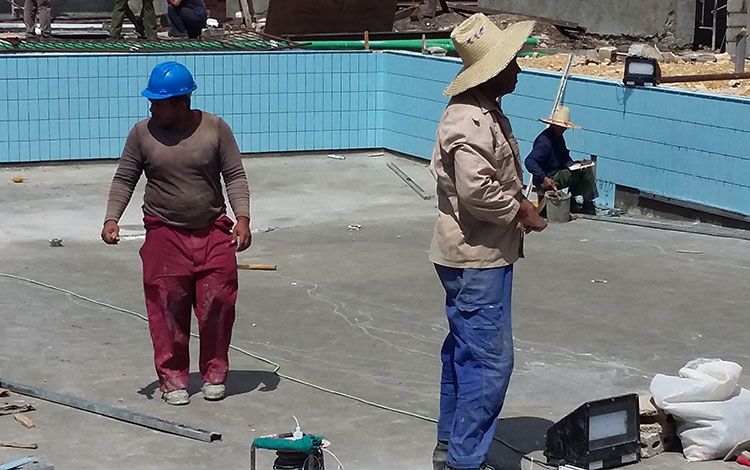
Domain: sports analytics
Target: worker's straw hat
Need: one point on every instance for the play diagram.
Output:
(485, 50)
(561, 117)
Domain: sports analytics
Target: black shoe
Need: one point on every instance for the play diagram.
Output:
(439, 456)
(140, 29)
(575, 208)
(588, 208)
(484, 466)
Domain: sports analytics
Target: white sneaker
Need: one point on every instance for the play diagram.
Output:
(176, 397)
(213, 392)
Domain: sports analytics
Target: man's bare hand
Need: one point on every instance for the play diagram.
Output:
(530, 218)
(111, 232)
(242, 236)
(549, 184)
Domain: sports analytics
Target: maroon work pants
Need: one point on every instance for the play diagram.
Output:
(184, 269)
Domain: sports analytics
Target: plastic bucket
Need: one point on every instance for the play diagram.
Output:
(558, 206)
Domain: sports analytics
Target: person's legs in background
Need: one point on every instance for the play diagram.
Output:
(118, 16)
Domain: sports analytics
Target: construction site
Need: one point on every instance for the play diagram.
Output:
(340, 316)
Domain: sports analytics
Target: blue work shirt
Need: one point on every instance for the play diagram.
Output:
(549, 155)
(197, 6)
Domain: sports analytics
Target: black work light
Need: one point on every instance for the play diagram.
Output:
(598, 435)
(640, 71)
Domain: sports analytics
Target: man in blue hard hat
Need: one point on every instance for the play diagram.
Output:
(189, 256)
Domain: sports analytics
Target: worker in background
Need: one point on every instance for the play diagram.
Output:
(482, 217)
(552, 168)
(145, 25)
(189, 258)
(187, 18)
(41, 10)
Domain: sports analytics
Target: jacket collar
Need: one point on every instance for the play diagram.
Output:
(486, 104)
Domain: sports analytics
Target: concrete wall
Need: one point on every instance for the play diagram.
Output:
(631, 17)
(738, 23)
(99, 8)
(233, 6)
(86, 8)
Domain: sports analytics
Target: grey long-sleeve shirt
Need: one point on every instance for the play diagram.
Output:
(183, 186)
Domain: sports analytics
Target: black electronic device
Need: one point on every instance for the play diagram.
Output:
(599, 434)
(640, 71)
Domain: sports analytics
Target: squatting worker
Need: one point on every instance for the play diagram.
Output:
(482, 216)
(189, 257)
(552, 168)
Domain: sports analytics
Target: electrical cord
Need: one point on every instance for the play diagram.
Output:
(341, 465)
(276, 366)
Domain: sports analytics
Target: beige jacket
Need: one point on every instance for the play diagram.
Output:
(477, 165)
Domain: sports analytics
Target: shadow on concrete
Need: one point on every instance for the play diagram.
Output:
(525, 433)
(238, 382)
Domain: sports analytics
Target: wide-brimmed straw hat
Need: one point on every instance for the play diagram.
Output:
(561, 117)
(485, 50)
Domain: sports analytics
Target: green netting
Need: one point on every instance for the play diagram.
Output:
(234, 42)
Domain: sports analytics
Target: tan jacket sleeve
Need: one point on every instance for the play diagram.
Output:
(468, 137)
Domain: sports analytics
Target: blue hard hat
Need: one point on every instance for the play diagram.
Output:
(169, 79)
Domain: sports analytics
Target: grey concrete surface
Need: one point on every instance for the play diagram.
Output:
(612, 17)
(233, 6)
(358, 311)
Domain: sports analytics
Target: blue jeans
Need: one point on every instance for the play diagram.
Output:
(477, 358)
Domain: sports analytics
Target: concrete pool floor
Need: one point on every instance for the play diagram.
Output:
(357, 311)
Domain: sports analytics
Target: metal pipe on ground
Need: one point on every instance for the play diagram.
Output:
(713, 232)
(16, 463)
(112, 412)
(410, 182)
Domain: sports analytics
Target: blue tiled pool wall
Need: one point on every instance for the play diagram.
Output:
(689, 146)
(679, 144)
(57, 107)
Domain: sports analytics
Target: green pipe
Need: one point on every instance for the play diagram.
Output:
(399, 44)
(125, 46)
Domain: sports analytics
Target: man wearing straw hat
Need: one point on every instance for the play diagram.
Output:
(482, 216)
(552, 168)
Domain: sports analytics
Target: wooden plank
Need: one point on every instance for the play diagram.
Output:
(25, 421)
(290, 17)
(18, 445)
(11, 409)
(257, 267)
